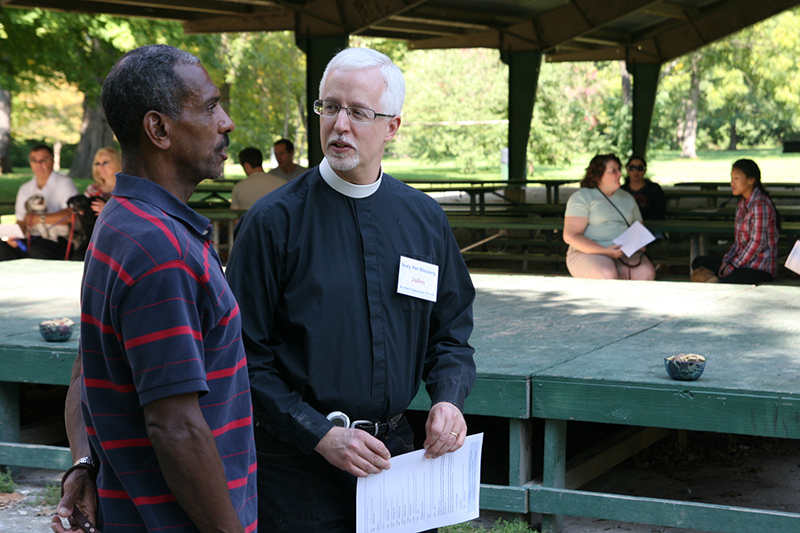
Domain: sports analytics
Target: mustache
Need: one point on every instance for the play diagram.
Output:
(339, 138)
(225, 142)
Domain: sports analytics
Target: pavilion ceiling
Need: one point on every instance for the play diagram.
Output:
(640, 31)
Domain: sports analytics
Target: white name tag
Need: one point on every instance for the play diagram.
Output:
(418, 279)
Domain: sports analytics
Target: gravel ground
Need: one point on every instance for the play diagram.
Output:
(23, 511)
(722, 469)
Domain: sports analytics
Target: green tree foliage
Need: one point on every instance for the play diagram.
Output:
(578, 109)
(268, 100)
(749, 90)
(456, 103)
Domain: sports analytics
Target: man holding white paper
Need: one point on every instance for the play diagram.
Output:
(596, 214)
(352, 291)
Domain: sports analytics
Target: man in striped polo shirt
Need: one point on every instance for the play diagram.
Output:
(165, 395)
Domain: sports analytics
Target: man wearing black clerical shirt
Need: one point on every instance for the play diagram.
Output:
(352, 291)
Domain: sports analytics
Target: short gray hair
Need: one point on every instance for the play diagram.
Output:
(144, 80)
(351, 59)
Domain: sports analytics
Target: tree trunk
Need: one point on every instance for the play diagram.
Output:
(689, 148)
(95, 134)
(57, 154)
(627, 91)
(733, 142)
(5, 131)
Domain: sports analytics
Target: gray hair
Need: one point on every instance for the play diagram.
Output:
(143, 80)
(351, 59)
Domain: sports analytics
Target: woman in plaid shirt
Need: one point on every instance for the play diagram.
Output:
(753, 257)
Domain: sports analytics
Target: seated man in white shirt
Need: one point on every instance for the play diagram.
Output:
(284, 154)
(256, 184)
(55, 189)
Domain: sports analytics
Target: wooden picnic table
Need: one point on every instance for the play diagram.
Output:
(698, 231)
(553, 348)
(33, 291)
(586, 350)
(551, 185)
(713, 195)
(714, 185)
(213, 191)
(564, 349)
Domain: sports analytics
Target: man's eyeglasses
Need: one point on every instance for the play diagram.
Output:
(640, 168)
(361, 115)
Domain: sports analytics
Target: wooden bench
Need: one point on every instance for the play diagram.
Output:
(697, 231)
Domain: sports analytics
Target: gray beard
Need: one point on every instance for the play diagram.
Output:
(343, 163)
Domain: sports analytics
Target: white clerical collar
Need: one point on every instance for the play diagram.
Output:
(345, 187)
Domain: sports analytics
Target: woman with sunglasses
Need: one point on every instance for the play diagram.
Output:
(648, 195)
(753, 256)
(596, 214)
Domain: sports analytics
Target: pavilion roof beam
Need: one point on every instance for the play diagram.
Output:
(120, 10)
(212, 7)
(670, 10)
(546, 30)
(678, 37)
(315, 17)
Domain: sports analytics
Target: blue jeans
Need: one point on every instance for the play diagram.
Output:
(300, 493)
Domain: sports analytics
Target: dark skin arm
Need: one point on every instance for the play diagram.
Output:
(79, 488)
(190, 462)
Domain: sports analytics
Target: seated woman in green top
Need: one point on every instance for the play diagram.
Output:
(596, 214)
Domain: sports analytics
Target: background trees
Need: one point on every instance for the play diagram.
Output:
(741, 91)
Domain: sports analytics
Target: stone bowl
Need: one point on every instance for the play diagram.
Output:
(56, 330)
(685, 366)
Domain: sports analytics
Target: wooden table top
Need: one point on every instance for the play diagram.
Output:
(33, 291)
(528, 330)
(594, 351)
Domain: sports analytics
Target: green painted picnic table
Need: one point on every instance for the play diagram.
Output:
(553, 348)
(33, 291)
(713, 185)
(713, 195)
(442, 185)
(570, 349)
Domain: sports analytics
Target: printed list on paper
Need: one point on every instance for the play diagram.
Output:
(418, 493)
(634, 238)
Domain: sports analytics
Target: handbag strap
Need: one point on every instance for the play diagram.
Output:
(615, 207)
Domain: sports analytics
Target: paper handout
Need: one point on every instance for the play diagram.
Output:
(418, 493)
(634, 239)
(793, 261)
(11, 231)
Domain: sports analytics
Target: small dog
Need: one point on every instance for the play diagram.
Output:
(84, 219)
(37, 205)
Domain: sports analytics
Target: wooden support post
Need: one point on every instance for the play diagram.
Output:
(645, 84)
(555, 467)
(520, 468)
(319, 50)
(523, 79)
(9, 414)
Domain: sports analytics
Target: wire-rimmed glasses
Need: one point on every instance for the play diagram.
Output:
(358, 114)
